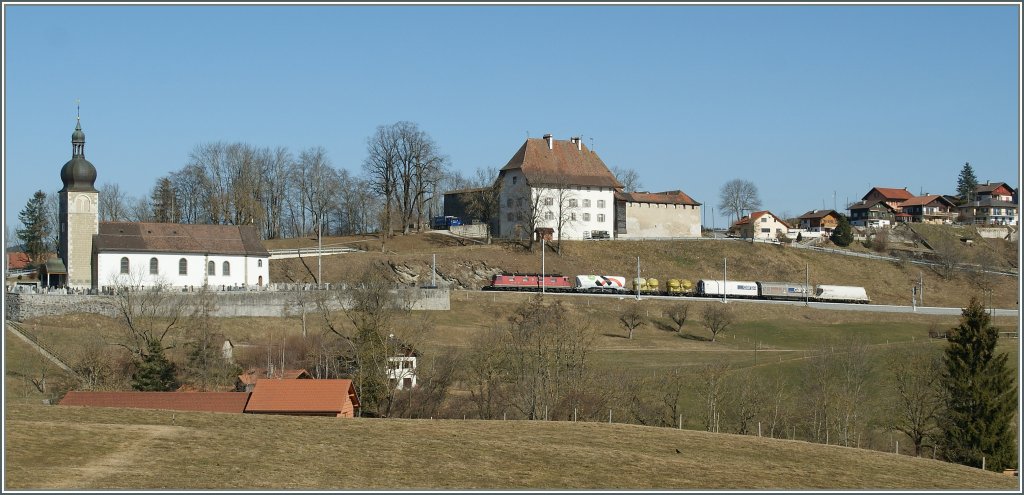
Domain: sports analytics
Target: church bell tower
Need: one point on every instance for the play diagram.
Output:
(79, 214)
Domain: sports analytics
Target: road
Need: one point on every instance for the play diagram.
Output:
(871, 308)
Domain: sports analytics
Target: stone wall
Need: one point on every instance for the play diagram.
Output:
(21, 307)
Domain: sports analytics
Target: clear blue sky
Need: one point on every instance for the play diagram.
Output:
(806, 101)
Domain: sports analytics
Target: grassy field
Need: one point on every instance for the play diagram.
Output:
(117, 449)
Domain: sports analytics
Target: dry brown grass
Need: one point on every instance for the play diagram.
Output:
(886, 282)
(112, 449)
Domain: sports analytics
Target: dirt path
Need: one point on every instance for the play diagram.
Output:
(139, 439)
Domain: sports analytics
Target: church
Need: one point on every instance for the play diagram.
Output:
(100, 256)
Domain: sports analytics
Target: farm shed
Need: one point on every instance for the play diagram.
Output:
(224, 402)
(304, 398)
(247, 380)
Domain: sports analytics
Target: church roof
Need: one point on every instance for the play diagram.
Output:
(179, 238)
(563, 164)
(78, 174)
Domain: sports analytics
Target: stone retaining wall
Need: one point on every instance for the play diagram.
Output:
(21, 307)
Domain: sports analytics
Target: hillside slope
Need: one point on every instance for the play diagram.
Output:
(460, 264)
(112, 448)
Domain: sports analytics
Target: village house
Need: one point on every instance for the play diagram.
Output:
(760, 225)
(989, 211)
(874, 213)
(999, 191)
(889, 195)
(401, 364)
(824, 221)
(932, 208)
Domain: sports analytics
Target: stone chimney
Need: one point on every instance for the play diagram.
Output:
(550, 140)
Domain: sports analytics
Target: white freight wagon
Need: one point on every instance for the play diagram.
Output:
(732, 288)
(841, 293)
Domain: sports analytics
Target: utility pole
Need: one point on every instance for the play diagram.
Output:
(921, 275)
(807, 278)
(433, 270)
(319, 249)
(637, 284)
(725, 278)
(542, 253)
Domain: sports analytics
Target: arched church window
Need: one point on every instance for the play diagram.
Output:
(124, 265)
(259, 263)
(183, 266)
(154, 266)
(211, 268)
(227, 269)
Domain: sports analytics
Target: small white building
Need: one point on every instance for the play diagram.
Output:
(761, 225)
(401, 365)
(179, 255)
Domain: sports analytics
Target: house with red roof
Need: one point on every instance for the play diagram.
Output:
(335, 397)
(931, 208)
(1000, 191)
(888, 195)
(563, 186)
(224, 402)
(760, 225)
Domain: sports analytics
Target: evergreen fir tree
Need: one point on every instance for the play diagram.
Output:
(163, 202)
(35, 219)
(966, 183)
(980, 395)
(155, 373)
(843, 234)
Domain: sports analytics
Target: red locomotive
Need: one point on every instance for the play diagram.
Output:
(531, 282)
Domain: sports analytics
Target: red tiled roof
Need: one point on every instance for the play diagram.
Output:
(250, 376)
(179, 238)
(992, 186)
(564, 164)
(758, 214)
(228, 402)
(891, 193)
(668, 197)
(924, 200)
(300, 396)
(17, 261)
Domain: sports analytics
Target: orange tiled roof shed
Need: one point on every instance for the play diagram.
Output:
(227, 402)
(304, 397)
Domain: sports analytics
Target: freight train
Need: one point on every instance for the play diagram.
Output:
(613, 284)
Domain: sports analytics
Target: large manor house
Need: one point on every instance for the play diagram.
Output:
(102, 256)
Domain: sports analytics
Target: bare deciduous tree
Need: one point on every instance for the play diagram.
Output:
(738, 196)
(628, 177)
(113, 203)
(632, 318)
(678, 314)
(710, 386)
(915, 382)
(716, 319)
